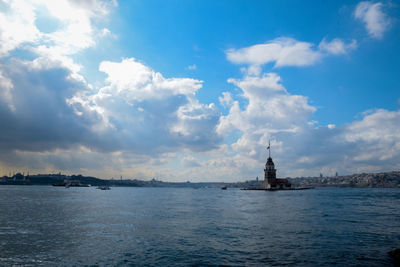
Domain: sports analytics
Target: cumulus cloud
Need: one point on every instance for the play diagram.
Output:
(141, 124)
(138, 109)
(286, 51)
(138, 82)
(270, 110)
(270, 107)
(50, 115)
(34, 113)
(299, 145)
(17, 26)
(51, 118)
(147, 112)
(75, 31)
(378, 133)
(34, 93)
(51, 30)
(375, 19)
(49, 112)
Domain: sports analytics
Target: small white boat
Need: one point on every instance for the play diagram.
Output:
(104, 187)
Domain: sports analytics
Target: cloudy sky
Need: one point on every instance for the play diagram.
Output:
(194, 90)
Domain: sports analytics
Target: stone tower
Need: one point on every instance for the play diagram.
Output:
(270, 181)
(270, 171)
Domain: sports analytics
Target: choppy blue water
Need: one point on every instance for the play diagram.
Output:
(42, 225)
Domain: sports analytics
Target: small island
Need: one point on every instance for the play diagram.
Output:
(271, 183)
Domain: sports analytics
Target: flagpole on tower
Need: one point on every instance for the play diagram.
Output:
(269, 148)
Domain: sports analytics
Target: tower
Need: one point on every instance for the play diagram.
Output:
(269, 171)
(270, 181)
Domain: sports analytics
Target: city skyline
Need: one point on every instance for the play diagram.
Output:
(195, 90)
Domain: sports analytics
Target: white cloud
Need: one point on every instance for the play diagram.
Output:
(372, 14)
(270, 111)
(256, 87)
(300, 146)
(138, 82)
(226, 99)
(375, 139)
(71, 27)
(287, 52)
(192, 67)
(148, 112)
(136, 116)
(269, 106)
(283, 51)
(377, 126)
(53, 119)
(337, 46)
(144, 128)
(17, 26)
(72, 30)
(34, 111)
(54, 112)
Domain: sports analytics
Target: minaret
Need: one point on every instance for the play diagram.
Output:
(269, 171)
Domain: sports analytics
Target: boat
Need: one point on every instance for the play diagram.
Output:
(60, 184)
(224, 187)
(103, 187)
(77, 183)
(72, 183)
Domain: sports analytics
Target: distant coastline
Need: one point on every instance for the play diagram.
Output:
(363, 180)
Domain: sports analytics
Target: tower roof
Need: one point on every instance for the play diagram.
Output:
(269, 161)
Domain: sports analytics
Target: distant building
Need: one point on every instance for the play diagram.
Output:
(270, 180)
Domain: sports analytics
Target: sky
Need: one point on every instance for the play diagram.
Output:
(195, 90)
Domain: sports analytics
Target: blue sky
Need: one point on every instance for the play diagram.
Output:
(193, 90)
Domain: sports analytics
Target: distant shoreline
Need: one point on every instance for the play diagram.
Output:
(363, 180)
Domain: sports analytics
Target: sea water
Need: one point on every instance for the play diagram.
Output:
(44, 225)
